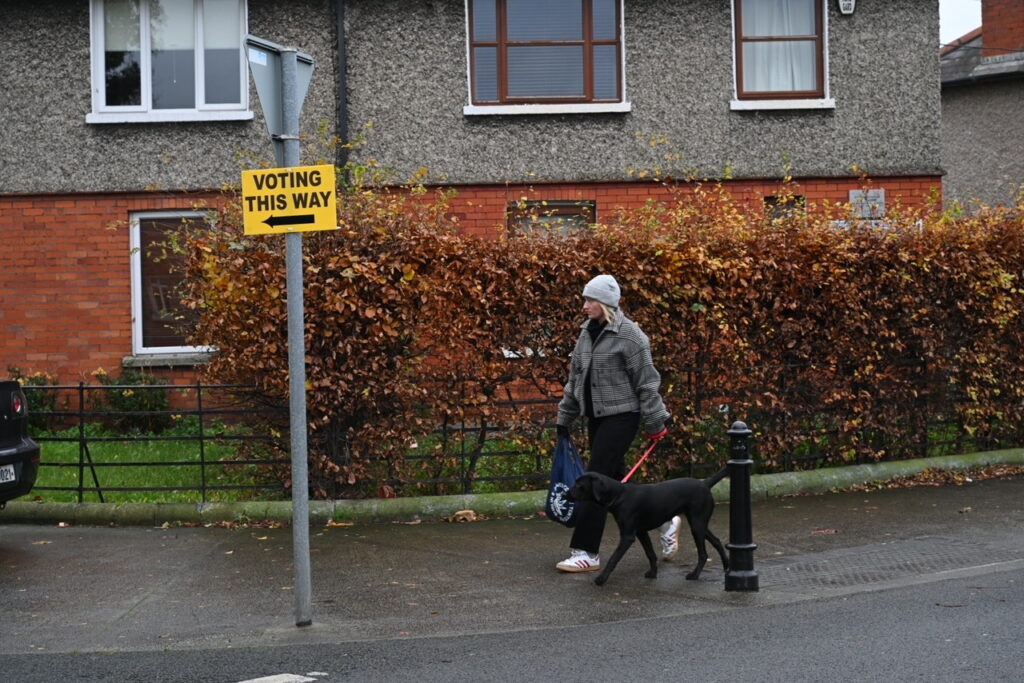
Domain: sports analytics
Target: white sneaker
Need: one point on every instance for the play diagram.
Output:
(579, 561)
(670, 539)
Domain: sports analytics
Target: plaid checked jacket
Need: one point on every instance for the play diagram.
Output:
(623, 378)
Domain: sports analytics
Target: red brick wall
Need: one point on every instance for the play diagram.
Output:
(480, 208)
(65, 287)
(1002, 24)
(65, 281)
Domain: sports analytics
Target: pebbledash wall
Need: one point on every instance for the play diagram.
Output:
(882, 73)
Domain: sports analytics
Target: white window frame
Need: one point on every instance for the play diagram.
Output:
(539, 108)
(136, 256)
(144, 113)
(826, 102)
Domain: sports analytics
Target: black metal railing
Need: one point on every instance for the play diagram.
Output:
(201, 415)
(472, 458)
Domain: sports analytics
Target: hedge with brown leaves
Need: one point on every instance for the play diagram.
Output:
(833, 339)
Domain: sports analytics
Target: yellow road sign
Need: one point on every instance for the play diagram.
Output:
(295, 199)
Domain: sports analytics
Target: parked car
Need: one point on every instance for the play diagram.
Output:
(19, 455)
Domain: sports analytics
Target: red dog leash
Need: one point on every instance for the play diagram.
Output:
(650, 449)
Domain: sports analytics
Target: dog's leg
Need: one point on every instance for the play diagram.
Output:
(652, 557)
(720, 548)
(698, 530)
(625, 540)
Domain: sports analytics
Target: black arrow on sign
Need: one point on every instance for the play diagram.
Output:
(302, 219)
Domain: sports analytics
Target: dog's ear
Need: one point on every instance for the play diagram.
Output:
(585, 485)
(598, 488)
(601, 490)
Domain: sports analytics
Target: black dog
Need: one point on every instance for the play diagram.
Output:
(638, 508)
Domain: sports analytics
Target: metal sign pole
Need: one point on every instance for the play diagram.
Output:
(282, 76)
(291, 105)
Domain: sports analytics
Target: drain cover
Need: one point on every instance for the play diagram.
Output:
(879, 562)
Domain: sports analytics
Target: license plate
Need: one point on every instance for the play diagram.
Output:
(7, 474)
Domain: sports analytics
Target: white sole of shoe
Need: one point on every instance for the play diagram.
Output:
(573, 569)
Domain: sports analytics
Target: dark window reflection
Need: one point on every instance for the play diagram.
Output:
(164, 319)
(124, 79)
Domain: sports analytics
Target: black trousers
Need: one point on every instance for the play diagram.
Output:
(610, 438)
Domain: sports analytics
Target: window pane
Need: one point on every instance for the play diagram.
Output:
(778, 18)
(222, 52)
(605, 25)
(163, 317)
(485, 78)
(554, 216)
(545, 71)
(172, 27)
(779, 66)
(544, 20)
(485, 20)
(121, 46)
(606, 72)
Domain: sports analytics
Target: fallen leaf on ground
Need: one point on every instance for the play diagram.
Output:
(465, 516)
(938, 477)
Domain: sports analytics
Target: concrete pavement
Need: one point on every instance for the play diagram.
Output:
(93, 588)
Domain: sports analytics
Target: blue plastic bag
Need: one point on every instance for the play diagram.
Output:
(566, 468)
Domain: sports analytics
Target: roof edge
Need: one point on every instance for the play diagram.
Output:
(960, 42)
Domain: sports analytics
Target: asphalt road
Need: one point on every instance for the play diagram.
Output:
(920, 584)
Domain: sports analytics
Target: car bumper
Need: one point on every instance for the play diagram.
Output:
(23, 459)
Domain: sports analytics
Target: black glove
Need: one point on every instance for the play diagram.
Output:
(562, 430)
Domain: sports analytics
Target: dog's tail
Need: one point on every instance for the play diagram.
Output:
(716, 477)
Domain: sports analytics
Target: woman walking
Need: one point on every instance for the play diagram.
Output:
(613, 383)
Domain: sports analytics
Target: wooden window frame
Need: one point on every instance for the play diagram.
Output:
(820, 66)
(501, 44)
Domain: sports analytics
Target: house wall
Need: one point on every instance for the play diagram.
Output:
(407, 76)
(65, 184)
(1004, 26)
(46, 145)
(66, 280)
(983, 149)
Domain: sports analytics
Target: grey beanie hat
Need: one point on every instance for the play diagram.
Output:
(605, 289)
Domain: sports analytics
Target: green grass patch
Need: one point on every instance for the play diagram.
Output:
(173, 466)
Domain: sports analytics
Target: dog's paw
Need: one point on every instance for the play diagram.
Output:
(693, 576)
(651, 574)
(600, 579)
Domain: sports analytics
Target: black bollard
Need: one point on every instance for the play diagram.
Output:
(741, 575)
